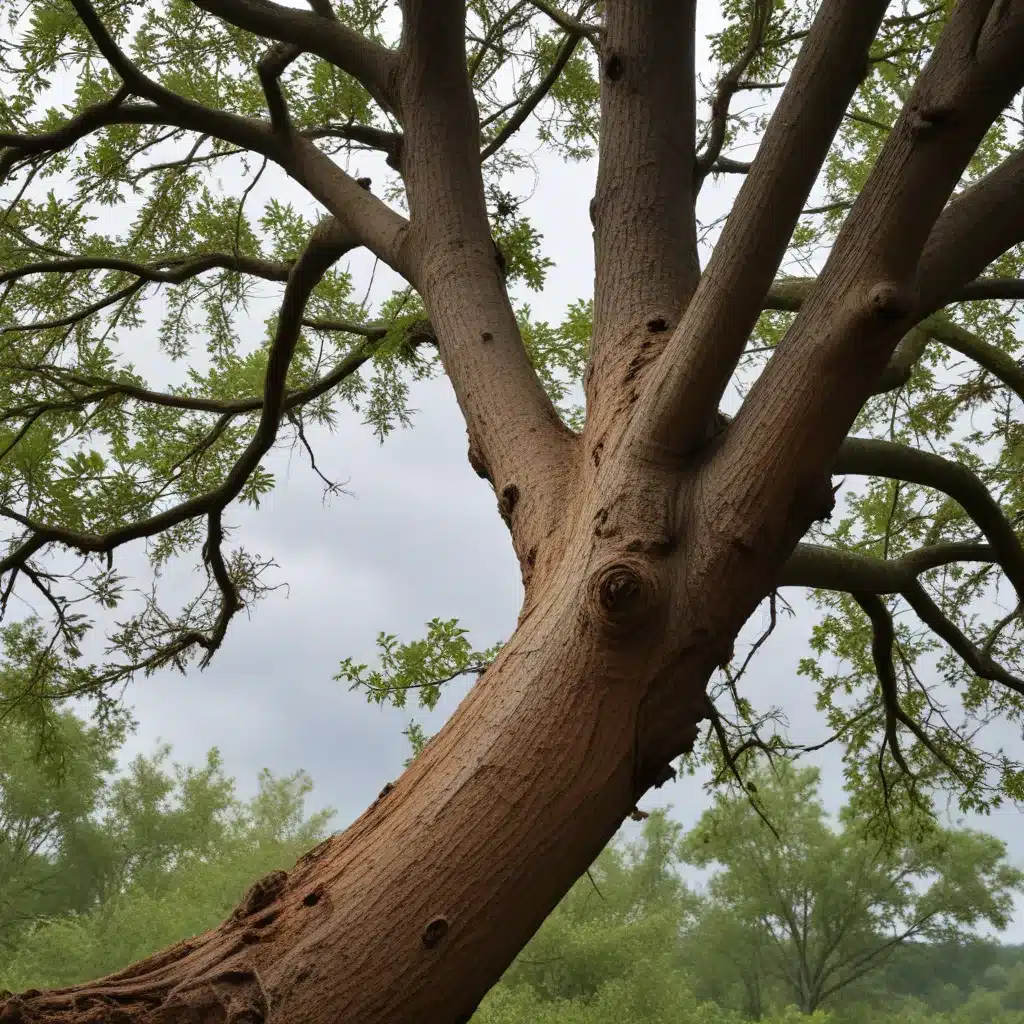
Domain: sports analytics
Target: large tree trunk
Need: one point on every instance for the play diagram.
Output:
(645, 542)
(415, 910)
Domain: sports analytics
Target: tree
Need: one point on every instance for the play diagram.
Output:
(821, 908)
(648, 532)
(171, 853)
(51, 853)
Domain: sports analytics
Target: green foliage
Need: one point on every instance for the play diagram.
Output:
(812, 910)
(422, 666)
(97, 872)
(54, 856)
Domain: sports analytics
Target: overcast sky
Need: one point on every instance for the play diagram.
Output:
(417, 537)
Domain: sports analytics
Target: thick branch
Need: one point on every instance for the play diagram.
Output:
(368, 62)
(706, 346)
(977, 227)
(901, 365)
(17, 146)
(361, 134)
(789, 294)
(645, 232)
(726, 165)
(271, 67)
(802, 406)
(515, 436)
(823, 568)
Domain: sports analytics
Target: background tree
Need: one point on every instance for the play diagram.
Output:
(821, 907)
(887, 159)
(52, 855)
(619, 925)
(170, 850)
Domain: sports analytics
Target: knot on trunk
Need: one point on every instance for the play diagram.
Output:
(623, 594)
(889, 300)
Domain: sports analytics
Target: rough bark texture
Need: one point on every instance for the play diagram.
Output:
(647, 541)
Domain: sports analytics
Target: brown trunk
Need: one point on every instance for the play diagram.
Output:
(414, 912)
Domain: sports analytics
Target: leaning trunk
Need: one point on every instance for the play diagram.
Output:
(415, 911)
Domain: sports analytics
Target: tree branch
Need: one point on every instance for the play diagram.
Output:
(571, 26)
(418, 333)
(645, 231)
(883, 639)
(977, 227)
(869, 457)
(980, 663)
(173, 270)
(822, 568)
(531, 101)
(17, 146)
(244, 132)
(726, 165)
(728, 86)
(175, 109)
(789, 293)
(326, 245)
(271, 67)
(371, 221)
(230, 603)
(79, 315)
(516, 438)
(706, 346)
(866, 296)
(368, 62)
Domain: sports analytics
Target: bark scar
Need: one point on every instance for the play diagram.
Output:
(262, 893)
